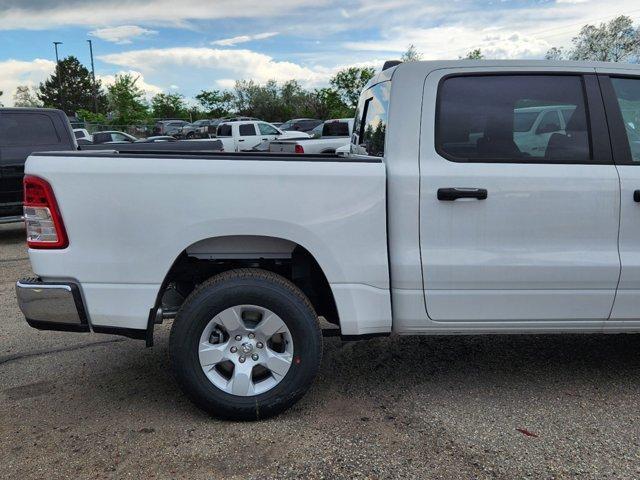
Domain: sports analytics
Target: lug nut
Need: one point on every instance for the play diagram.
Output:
(251, 335)
(241, 359)
(255, 357)
(259, 345)
(238, 337)
(234, 349)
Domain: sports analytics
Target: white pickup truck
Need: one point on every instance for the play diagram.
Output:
(334, 134)
(241, 136)
(437, 223)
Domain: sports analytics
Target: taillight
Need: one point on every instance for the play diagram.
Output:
(299, 149)
(42, 216)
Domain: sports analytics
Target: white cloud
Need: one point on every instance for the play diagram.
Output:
(148, 88)
(17, 72)
(240, 64)
(195, 69)
(461, 39)
(230, 42)
(123, 34)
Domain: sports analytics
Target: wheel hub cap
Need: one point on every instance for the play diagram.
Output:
(246, 350)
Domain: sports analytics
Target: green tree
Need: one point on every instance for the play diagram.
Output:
(475, 54)
(411, 55)
(348, 83)
(615, 41)
(168, 105)
(24, 96)
(126, 101)
(327, 103)
(70, 88)
(216, 103)
(92, 117)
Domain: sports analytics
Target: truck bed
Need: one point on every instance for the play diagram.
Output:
(130, 215)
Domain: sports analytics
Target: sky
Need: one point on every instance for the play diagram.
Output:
(189, 45)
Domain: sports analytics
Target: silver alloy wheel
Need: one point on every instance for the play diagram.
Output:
(245, 350)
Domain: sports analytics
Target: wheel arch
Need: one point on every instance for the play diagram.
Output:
(213, 255)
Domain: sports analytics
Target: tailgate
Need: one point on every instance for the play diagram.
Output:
(282, 146)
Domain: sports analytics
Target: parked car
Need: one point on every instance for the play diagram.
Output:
(245, 135)
(277, 124)
(197, 129)
(422, 229)
(169, 127)
(82, 135)
(535, 125)
(22, 132)
(112, 136)
(333, 135)
(300, 124)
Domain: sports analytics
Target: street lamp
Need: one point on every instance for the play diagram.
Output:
(55, 45)
(93, 73)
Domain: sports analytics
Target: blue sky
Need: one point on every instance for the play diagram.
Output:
(189, 45)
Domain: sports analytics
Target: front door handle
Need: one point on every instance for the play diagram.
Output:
(451, 194)
(636, 196)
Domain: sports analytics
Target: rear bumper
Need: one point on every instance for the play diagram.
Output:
(52, 306)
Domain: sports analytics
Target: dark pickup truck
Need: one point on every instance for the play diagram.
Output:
(24, 131)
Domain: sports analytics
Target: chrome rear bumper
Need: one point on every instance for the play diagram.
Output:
(52, 306)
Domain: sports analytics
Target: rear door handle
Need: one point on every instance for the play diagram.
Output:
(451, 194)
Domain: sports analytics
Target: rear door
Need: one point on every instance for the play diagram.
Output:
(508, 233)
(621, 93)
(247, 136)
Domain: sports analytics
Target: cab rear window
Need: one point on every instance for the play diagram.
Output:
(371, 121)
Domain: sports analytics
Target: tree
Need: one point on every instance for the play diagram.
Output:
(24, 96)
(92, 117)
(475, 54)
(1, 92)
(70, 88)
(126, 100)
(350, 82)
(215, 103)
(326, 103)
(168, 105)
(615, 41)
(411, 55)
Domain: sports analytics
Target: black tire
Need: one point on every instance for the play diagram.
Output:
(190, 135)
(237, 287)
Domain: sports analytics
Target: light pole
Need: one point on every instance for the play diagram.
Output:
(55, 45)
(93, 73)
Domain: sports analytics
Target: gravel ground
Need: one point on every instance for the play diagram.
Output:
(97, 406)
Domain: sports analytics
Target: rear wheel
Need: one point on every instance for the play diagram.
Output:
(245, 345)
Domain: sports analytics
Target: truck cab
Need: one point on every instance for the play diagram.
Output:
(24, 131)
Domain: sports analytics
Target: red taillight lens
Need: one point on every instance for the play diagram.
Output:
(299, 149)
(42, 216)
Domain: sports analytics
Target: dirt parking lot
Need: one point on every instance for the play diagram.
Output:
(95, 406)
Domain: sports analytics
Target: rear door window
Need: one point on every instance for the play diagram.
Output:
(335, 129)
(491, 118)
(224, 130)
(247, 130)
(31, 129)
